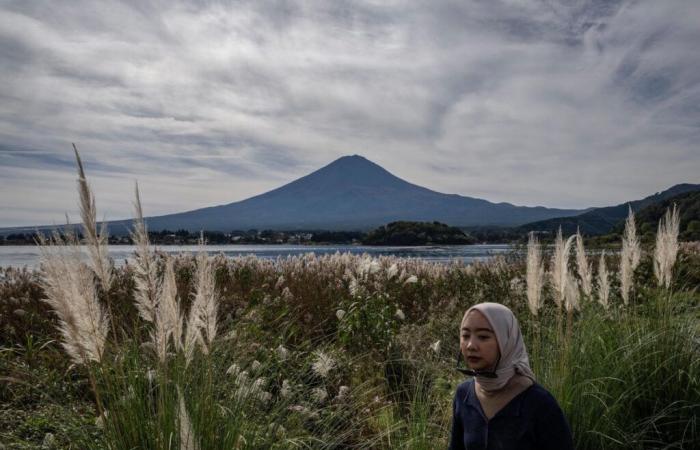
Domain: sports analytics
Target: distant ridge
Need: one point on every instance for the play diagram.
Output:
(601, 221)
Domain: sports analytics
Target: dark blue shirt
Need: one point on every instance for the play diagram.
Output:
(531, 420)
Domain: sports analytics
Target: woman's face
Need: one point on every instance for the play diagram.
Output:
(478, 342)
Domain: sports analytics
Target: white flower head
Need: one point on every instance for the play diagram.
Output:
(286, 390)
(282, 352)
(323, 364)
(233, 370)
(353, 287)
(392, 271)
(400, 314)
(343, 392)
(319, 395)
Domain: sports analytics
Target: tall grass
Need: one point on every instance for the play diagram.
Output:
(343, 351)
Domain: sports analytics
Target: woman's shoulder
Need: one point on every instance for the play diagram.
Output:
(464, 388)
(540, 398)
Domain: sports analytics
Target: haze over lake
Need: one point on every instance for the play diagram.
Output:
(26, 255)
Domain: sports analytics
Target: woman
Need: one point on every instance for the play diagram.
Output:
(502, 407)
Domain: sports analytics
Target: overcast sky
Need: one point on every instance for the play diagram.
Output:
(560, 103)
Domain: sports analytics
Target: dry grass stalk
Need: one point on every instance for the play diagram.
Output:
(188, 439)
(584, 269)
(571, 295)
(603, 283)
(202, 320)
(560, 267)
(96, 242)
(534, 274)
(630, 256)
(71, 292)
(666, 249)
(145, 269)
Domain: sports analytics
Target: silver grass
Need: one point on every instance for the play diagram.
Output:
(560, 267)
(145, 270)
(666, 249)
(201, 323)
(71, 292)
(188, 439)
(169, 305)
(534, 275)
(96, 242)
(584, 269)
(603, 282)
(571, 296)
(630, 254)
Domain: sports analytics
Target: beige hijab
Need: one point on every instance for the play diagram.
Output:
(514, 359)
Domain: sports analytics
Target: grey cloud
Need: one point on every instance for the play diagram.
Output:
(486, 98)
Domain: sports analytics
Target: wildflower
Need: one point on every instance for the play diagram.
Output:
(323, 364)
(399, 314)
(435, 346)
(282, 353)
(412, 279)
(340, 314)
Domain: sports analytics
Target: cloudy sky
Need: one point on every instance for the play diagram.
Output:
(561, 103)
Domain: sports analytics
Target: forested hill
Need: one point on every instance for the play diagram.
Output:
(600, 221)
(688, 205)
(417, 233)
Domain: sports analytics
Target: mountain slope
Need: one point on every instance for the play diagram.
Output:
(351, 193)
(603, 220)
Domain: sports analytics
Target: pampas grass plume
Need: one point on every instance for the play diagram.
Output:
(629, 256)
(666, 249)
(560, 267)
(534, 274)
(584, 269)
(603, 282)
(96, 242)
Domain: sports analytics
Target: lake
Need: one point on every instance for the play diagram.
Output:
(26, 255)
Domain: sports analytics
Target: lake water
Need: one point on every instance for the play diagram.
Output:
(26, 255)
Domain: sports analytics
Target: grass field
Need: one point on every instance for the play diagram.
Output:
(343, 351)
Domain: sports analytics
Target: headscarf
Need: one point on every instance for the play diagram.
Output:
(514, 359)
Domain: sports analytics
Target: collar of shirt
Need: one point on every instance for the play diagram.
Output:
(512, 408)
